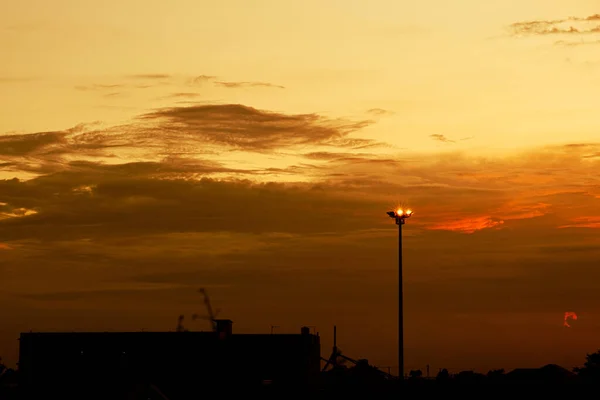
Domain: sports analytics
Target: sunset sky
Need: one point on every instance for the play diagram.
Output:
(149, 148)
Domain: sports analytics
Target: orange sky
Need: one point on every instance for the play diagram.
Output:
(151, 148)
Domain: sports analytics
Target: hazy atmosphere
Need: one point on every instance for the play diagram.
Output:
(148, 148)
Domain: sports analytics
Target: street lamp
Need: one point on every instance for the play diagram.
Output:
(400, 215)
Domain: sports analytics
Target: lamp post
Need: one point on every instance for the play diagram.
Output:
(400, 217)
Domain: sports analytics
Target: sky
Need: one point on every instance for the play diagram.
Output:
(150, 148)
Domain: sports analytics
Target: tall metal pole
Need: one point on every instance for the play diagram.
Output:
(400, 217)
(400, 306)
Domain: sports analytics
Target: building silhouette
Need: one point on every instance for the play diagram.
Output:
(176, 364)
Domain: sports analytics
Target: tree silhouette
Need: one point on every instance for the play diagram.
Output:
(591, 367)
(415, 374)
(443, 375)
(495, 374)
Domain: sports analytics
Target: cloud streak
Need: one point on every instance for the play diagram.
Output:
(235, 85)
(441, 138)
(202, 79)
(572, 26)
(380, 112)
(573, 44)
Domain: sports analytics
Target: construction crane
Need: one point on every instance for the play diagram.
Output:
(212, 315)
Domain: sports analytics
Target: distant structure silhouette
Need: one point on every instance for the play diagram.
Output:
(179, 364)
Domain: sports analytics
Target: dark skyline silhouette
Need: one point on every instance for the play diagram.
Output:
(182, 365)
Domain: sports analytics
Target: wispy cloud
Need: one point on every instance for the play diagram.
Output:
(200, 79)
(578, 43)
(584, 222)
(572, 26)
(184, 95)
(441, 138)
(181, 135)
(114, 94)
(150, 76)
(99, 87)
(243, 127)
(379, 112)
(234, 85)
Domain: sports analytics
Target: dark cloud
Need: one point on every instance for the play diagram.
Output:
(128, 200)
(88, 198)
(243, 127)
(441, 138)
(180, 132)
(26, 144)
(41, 143)
(247, 84)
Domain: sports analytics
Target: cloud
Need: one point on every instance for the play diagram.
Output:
(379, 112)
(148, 81)
(184, 95)
(99, 87)
(27, 144)
(441, 138)
(579, 43)
(238, 126)
(329, 156)
(86, 198)
(150, 76)
(114, 94)
(200, 79)
(183, 133)
(42, 143)
(467, 225)
(592, 222)
(234, 85)
(567, 26)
